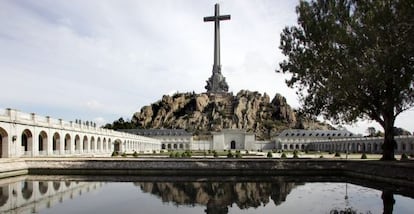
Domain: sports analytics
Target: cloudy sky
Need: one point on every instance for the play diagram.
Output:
(100, 59)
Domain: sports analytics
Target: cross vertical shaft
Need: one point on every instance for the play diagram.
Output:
(216, 19)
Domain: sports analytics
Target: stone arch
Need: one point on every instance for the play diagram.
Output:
(77, 143)
(175, 146)
(109, 144)
(104, 145)
(3, 142)
(98, 144)
(369, 148)
(117, 145)
(27, 141)
(181, 146)
(4, 195)
(67, 141)
(27, 189)
(374, 147)
(43, 187)
(42, 142)
(233, 144)
(403, 147)
(85, 143)
(92, 144)
(169, 146)
(56, 142)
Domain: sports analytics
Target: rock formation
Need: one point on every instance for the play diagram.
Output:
(206, 112)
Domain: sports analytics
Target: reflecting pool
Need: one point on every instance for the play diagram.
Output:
(46, 194)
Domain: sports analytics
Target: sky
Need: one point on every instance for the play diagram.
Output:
(99, 60)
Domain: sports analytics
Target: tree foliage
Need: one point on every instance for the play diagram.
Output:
(353, 59)
(120, 124)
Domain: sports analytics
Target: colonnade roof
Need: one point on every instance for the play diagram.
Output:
(302, 133)
(157, 132)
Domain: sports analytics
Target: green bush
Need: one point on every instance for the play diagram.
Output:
(337, 154)
(283, 155)
(215, 154)
(404, 156)
(135, 154)
(124, 154)
(153, 151)
(171, 155)
(114, 154)
(296, 154)
(364, 156)
(269, 154)
(230, 155)
(321, 156)
(238, 155)
(177, 155)
(247, 152)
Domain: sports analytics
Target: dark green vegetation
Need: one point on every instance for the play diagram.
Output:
(353, 59)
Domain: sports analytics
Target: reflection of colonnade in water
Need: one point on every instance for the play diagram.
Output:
(30, 196)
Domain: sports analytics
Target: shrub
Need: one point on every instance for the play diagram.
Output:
(153, 151)
(187, 154)
(364, 156)
(283, 155)
(238, 155)
(404, 156)
(124, 154)
(229, 154)
(184, 155)
(296, 154)
(161, 151)
(205, 153)
(269, 154)
(135, 154)
(337, 154)
(177, 155)
(247, 152)
(171, 155)
(215, 154)
(321, 156)
(114, 154)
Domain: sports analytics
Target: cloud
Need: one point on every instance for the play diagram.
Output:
(101, 58)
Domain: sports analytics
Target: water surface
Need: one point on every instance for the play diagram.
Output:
(167, 195)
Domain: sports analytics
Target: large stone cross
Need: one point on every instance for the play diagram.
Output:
(217, 82)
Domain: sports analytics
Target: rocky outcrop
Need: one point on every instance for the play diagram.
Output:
(206, 112)
(219, 195)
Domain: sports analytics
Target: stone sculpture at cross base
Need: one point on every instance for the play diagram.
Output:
(217, 83)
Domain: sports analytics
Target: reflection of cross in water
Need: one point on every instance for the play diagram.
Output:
(346, 195)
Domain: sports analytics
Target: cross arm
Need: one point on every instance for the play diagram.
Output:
(214, 18)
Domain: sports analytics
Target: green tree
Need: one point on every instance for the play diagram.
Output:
(353, 59)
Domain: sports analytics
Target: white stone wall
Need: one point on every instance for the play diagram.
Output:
(46, 137)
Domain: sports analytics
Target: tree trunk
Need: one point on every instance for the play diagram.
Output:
(389, 142)
(388, 201)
